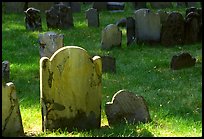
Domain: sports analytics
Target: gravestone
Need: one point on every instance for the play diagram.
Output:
(70, 88)
(161, 5)
(172, 32)
(139, 5)
(183, 60)
(192, 28)
(99, 5)
(111, 37)
(49, 43)
(33, 19)
(92, 16)
(130, 30)
(11, 116)
(42, 6)
(147, 26)
(127, 107)
(59, 16)
(115, 5)
(163, 16)
(108, 64)
(5, 72)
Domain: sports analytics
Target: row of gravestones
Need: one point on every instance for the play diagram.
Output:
(169, 29)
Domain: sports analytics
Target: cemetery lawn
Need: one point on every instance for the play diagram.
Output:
(174, 98)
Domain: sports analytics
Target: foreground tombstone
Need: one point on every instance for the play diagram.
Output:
(59, 16)
(111, 37)
(147, 26)
(49, 43)
(33, 19)
(183, 60)
(130, 30)
(126, 107)
(11, 116)
(70, 88)
(92, 16)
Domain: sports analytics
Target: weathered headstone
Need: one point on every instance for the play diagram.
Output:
(49, 43)
(147, 26)
(100, 5)
(161, 5)
(163, 16)
(42, 6)
(172, 32)
(139, 5)
(33, 19)
(111, 37)
(92, 16)
(5, 72)
(127, 107)
(192, 28)
(115, 5)
(130, 30)
(70, 88)
(59, 16)
(108, 64)
(183, 60)
(11, 116)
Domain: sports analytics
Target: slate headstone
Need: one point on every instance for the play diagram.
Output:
(108, 64)
(130, 30)
(92, 16)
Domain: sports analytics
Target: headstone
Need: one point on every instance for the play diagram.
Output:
(130, 30)
(191, 9)
(59, 16)
(14, 7)
(92, 16)
(108, 64)
(147, 26)
(5, 72)
(70, 88)
(183, 60)
(139, 5)
(11, 116)
(121, 22)
(111, 37)
(49, 43)
(181, 4)
(99, 5)
(127, 107)
(115, 5)
(163, 16)
(161, 5)
(33, 19)
(172, 32)
(42, 6)
(192, 28)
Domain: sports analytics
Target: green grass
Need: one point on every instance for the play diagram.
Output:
(174, 98)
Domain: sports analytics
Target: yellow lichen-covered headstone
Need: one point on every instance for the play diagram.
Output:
(70, 87)
(11, 117)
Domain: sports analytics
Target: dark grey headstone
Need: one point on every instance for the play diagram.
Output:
(130, 30)
(108, 64)
(183, 60)
(5, 72)
(33, 19)
(92, 16)
(127, 107)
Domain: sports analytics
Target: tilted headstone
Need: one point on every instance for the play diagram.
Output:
(5, 72)
(111, 37)
(163, 16)
(59, 16)
(183, 60)
(49, 43)
(99, 5)
(115, 5)
(108, 64)
(33, 19)
(42, 6)
(172, 32)
(127, 107)
(139, 5)
(11, 116)
(147, 26)
(161, 5)
(70, 88)
(192, 28)
(92, 16)
(130, 30)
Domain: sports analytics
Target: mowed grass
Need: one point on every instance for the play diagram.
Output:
(174, 98)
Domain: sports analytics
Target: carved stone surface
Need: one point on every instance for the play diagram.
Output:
(111, 37)
(49, 43)
(147, 26)
(59, 16)
(70, 88)
(172, 32)
(130, 30)
(126, 107)
(108, 64)
(33, 19)
(183, 60)
(5, 72)
(92, 16)
(11, 117)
